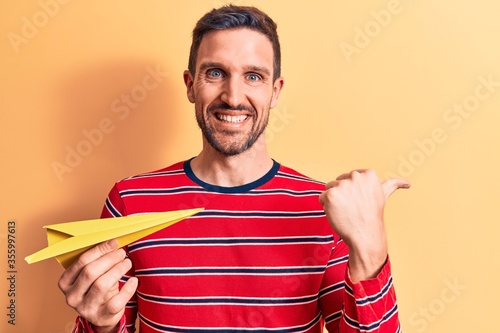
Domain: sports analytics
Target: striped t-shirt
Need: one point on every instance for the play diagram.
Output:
(260, 258)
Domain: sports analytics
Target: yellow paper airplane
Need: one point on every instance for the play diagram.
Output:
(68, 240)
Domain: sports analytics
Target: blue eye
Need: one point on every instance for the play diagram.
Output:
(253, 77)
(214, 73)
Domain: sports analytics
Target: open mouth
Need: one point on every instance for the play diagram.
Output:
(231, 119)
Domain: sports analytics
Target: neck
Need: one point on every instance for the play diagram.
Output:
(217, 169)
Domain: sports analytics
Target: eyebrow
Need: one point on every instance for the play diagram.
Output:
(252, 68)
(207, 65)
(259, 69)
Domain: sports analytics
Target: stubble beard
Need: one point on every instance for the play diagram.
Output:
(230, 147)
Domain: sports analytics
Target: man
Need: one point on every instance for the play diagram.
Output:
(273, 251)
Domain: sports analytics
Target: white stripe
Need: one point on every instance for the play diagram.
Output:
(156, 192)
(175, 172)
(378, 296)
(215, 270)
(215, 329)
(304, 179)
(257, 240)
(110, 212)
(336, 318)
(255, 217)
(376, 323)
(338, 287)
(338, 261)
(259, 301)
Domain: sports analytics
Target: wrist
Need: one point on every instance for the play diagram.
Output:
(105, 329)
(366, 261)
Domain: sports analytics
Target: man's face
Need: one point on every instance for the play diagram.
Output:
(233, 88)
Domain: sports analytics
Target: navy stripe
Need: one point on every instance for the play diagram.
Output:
(303, 178)
(374, 325)
(338, 260)
(351, 322)
(371, 299)
(228, 241)
(377, 324)
(229, 300)
(297, 193)
(112, 209)
(165, 328)
(189, 189)
(318, 213)
(348, 289)
(333, 317)
(160, 173)
(230, 270)
(333, 287)
(147, 191)
(124, 278)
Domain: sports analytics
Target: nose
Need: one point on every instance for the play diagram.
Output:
(232, 93)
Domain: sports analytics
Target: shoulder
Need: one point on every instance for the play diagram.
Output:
(153, 178)
(292, 177)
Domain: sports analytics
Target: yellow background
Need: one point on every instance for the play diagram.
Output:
(369, 84)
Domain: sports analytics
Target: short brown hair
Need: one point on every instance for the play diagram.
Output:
(229, 17)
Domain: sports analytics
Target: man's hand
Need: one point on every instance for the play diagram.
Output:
(354, 205)
(90, 285)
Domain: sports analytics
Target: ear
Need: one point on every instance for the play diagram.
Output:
(188, 81)
(277, 86)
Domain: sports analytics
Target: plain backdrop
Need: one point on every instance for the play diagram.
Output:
(92, 92)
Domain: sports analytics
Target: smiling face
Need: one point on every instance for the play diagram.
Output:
(233, 88)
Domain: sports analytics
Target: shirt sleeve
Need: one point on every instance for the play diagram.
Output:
(84, 326)
(366, 306)
(114, 207)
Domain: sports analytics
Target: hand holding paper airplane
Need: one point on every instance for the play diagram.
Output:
(68, 240)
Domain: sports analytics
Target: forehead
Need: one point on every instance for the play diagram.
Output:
(237, 46)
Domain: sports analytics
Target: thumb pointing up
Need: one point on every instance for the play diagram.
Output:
(391, 185)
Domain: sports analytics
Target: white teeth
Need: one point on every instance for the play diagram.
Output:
(231, 119)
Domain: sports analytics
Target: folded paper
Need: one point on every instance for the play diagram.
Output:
(68, 240)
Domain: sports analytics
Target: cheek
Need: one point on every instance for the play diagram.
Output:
(204, 88)
(260, 98)
(199, 110)
(206, 96)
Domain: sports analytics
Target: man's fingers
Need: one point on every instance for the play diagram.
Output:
(108, 280)
(324, 194)
(118, 302)
(366, 176)
(89, 274)
(93, 270)
(392, 184)
(92, 254)
(97, 251)
(107, 312)
(331, 184)
(72, 272)
(349, 175)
